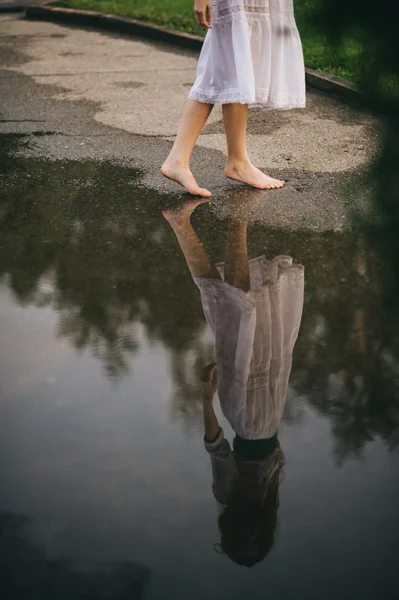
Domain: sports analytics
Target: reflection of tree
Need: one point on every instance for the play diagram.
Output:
(27, 572)
(347, 354)
(81, 241)
(84, 240)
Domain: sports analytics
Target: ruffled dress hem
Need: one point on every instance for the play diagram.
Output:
(261, 99)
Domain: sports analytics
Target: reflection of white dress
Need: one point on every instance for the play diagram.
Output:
(252, 55)
(255, 333)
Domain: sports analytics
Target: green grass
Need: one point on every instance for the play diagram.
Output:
(343, 60)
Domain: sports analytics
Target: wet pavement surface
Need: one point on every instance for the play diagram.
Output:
(106, 485)
(89, 95)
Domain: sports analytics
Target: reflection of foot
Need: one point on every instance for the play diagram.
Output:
(247, 173)
(173, 170)
(179, 215)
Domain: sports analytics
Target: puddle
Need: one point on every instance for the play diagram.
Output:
(106, 484)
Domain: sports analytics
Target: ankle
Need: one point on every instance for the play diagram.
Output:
(177, 161)
(236, 162)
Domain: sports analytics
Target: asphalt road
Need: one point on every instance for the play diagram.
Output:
(81, 94)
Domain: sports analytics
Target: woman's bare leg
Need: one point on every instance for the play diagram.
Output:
(239, 167)
(196, 256)
(236, 268)
(176, 166)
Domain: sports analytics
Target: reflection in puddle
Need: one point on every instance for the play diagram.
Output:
(253, 308)
(102, 343)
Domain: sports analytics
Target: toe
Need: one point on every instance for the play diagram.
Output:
(203, 192)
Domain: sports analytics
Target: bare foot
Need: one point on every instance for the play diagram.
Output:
(180, 215)
(173, 170)
(247, 173)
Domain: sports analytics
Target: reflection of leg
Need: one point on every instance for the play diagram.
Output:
(176, 166)
(194, 252)
(238, 166)
(236, 269)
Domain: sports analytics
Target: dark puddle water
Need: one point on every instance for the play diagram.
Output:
(106, 487)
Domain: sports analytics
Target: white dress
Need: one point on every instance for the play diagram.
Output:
(251, 55)
(255, 334)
